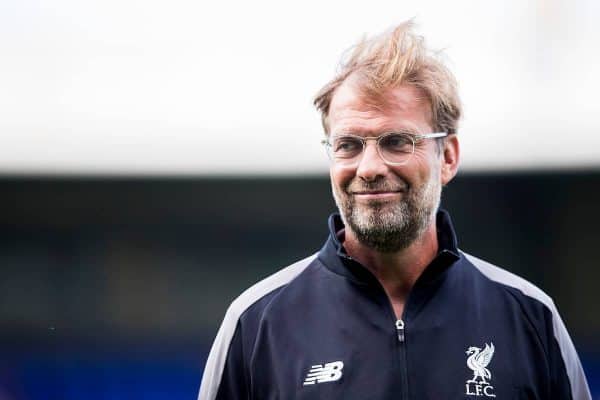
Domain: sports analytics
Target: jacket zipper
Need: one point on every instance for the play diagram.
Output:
(400, 330)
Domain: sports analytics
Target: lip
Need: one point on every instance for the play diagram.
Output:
(376, 195)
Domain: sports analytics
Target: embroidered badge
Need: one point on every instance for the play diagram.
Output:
(478, 361)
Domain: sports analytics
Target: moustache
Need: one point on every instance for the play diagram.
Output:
(376, 186)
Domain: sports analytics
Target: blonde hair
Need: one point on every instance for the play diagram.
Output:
(397, 57)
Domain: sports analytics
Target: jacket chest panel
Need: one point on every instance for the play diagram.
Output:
(353, 358)
(491, 359)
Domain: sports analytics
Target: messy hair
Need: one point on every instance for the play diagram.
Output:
(391, 59)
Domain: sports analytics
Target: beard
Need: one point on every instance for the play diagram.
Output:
(388, 226)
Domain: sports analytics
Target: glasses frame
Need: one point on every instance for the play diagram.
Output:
(415, 138)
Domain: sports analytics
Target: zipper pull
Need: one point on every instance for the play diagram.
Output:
(400, 330)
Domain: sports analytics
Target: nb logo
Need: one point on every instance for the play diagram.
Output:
(324, 373)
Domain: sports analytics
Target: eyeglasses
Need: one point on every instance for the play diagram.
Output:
(393, 148)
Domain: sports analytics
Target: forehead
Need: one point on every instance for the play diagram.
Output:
(401, 108)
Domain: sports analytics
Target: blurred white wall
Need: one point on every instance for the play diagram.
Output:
(191, 87)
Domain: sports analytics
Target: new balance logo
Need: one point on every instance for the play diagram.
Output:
(324, 373)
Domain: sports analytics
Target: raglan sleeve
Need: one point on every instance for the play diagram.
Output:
(224, 376)
(568, 377)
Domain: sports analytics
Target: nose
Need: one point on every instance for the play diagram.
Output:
(371, 165)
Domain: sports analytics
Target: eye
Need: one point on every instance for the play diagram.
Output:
(397, 143)
(347, 146)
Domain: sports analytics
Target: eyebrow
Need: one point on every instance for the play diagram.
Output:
(406, 131)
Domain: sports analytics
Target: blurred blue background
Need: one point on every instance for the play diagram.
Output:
(114, 288)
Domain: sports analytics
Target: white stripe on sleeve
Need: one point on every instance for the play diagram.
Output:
(215, 363)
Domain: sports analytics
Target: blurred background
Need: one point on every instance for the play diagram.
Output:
(157, 159)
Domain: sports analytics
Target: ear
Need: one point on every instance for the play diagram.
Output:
(450, 157)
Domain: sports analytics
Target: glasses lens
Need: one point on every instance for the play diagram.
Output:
(396, 147)
(345, 149)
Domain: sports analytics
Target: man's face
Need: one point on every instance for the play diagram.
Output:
(386, 207)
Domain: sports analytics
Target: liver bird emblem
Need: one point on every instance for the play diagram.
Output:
(478, 361)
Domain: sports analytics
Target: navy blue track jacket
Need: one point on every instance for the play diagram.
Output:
(323, 328)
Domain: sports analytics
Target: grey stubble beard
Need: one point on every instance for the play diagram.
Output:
(387, 227)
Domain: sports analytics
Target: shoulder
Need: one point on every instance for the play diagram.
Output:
(506, 292)
(252, 300)
(268, 287)
(509, 280)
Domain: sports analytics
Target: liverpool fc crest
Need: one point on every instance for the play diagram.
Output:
(478, 361)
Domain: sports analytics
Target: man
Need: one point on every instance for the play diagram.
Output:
(390, 308)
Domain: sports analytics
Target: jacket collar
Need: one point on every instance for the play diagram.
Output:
(334, 256)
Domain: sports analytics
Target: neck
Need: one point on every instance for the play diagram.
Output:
(397, 271)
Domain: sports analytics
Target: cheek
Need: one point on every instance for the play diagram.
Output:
(427, 165)
(341, 177)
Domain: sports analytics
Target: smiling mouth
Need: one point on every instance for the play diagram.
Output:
(377, 194)
(377, 191)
